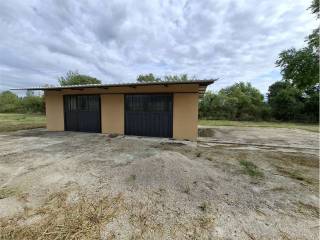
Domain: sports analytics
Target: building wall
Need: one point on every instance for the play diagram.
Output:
(185, 116)
(185, 108)
(54, 111)
(112, 113)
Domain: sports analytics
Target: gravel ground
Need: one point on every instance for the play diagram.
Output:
(234, 183)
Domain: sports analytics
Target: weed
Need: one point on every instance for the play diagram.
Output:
(251, 169)
(204, 207)
(187, 189)
(131, 178)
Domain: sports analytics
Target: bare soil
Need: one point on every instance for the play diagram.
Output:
(234, 183)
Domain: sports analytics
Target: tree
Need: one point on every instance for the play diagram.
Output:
(240, 101)
(147, 78)
(313, 38)
(315, 7)
(74, 78)
(9, 102)
(168, 78)
(247, 101)
(177, 78)
(32, 104)
(299, 67)
(298, 98)
(286, 101)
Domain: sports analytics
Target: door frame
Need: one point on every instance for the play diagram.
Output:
(90, 94)
(151, 93)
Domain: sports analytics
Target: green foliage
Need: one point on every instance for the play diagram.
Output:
(147, 78)
(297, 96)
(11, 103)
(74, 78)
(168, 78)
(177, 78)
(311, 104)
(299, 67)
(315, 7)
(313, 39)
(240, 101)
(32, 104)
(285, 101)
(288, 103)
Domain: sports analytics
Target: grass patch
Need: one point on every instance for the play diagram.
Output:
(14, 121)
(58, 219)
(305, 126)
(7, 192)
(251, 169)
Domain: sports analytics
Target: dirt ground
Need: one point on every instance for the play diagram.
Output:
(234, 183)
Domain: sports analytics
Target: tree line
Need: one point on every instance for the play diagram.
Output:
(12, 103)
(243, 102)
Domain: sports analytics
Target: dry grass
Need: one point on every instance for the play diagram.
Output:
(58, 219)
(147, 224)
(308, 209)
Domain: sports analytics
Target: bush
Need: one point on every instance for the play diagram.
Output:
(11, 103)
(288, 103)
(32, 104)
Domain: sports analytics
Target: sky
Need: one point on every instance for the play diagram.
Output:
(115, 41)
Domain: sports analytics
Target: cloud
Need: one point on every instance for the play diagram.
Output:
(117, 40)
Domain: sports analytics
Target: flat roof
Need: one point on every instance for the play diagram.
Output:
(202, 85)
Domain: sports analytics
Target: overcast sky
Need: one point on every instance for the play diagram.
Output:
(117, 40)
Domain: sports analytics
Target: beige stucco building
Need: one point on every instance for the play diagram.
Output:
(162, 109)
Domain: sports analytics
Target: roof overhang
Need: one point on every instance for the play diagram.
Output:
(201, 83)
